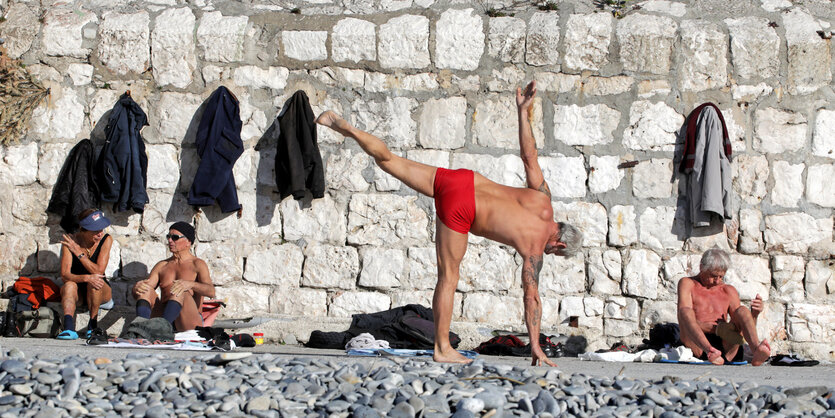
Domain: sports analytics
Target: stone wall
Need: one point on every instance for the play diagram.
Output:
(434, 78)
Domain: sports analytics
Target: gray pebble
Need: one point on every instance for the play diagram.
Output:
(474, 405)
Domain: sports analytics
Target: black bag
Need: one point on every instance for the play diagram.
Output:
(662, 335)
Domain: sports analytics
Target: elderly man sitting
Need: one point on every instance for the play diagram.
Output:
(704, 304)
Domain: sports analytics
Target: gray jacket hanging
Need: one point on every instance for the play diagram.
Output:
(709, 181)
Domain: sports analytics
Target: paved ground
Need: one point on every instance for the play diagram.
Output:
(766, 375)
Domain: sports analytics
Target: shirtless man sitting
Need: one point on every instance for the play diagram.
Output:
(468, 202)
(183, 280)
(704, 303)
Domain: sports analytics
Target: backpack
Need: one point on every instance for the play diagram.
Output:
(39, 323)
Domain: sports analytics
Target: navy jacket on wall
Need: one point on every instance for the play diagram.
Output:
(298, 163)
(122, 167)
(76, 188)
(219, 146)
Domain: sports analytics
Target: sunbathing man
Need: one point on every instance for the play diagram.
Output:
(704, 303)
(183, 280)
(468, 202)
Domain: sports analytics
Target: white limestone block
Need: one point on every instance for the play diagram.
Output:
(604, 174)
(423, 268)
(390, 120)
(566, 176)
(507, 169)
(486, 269)
(163, 209)
(163, 165)
(124, 42)
(100, 103)
(506, 39)
(353, 40)
(19, 29)
(820, 187)
(172, 47)
(652, 179)
(276, 265)
(382, 268)
(751, 235)
(80, 74)
(349, 303)
(299, 302)
(755, 47)
(823, 139)
(778, 131)
(459, 40)
(750, 93)
(139, 257)
(171, 117)
(344, 171)
(820, 279)
(559, 276)
(604, 271)
(20, 164)
(623, 229)
(305, 45)
(323, 221)
(390, 220)
(403, 42)
(225, 266)
(660, 228)
(650, 88)
(808, 322)
(60, 116)
(443, 123)
(590, 218)
(607, 86)
(619, 327)
(787, 272)
(585, 125)
(250, 76)
(659, 312)
(751, 174)
(666, 7)
(788, 184)
(491, 309)
(29, 205)
(640, 274)
(618, 307)
(52, 159)
(506, 79)
(330, 267)
(543, 39)
(652, 126)
(62, 31)
(243, 300)
(222, 37)
(793, 233)
(587, 39)
(557, 82)
(703, 52)
(496, 125)
(809, 55)
(646, 43)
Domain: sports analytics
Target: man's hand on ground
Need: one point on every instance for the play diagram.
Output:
(715, 356)
(540, 359)
(757, 306)
(95, 280)
(181, 286)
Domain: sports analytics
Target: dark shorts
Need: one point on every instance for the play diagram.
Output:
(82, 293)
(716, 342)
(454, 194)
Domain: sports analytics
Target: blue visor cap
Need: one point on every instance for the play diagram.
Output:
(95, 221)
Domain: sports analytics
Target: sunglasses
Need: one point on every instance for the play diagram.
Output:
(174, 237)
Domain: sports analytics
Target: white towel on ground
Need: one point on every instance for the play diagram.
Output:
(365, 340)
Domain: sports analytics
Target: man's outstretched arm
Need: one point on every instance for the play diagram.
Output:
(527, 143)
(533, 307)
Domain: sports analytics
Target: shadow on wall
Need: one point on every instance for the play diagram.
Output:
(179, 210)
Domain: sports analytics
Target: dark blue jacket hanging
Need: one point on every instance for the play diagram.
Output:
(122, 167)
(298, 163)
(219, 146)
(76, 188)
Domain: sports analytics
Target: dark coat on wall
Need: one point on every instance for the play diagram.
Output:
(76, 188)
(122, 168)
(298, 163)
(219, 146)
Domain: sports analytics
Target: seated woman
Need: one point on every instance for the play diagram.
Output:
(84, 258)
(183, 280)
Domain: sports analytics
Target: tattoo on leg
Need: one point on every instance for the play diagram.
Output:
(544, 189)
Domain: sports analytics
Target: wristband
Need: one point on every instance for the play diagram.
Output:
(80, 256)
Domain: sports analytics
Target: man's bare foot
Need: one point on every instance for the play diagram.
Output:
(715, 356)
(449, 356)
(761, 354)
(331, 120)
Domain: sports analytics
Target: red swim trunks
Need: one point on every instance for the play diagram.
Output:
(455, 198)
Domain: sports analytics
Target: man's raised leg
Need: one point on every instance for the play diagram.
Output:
(450, 247)
(744, 321)
(419, 177)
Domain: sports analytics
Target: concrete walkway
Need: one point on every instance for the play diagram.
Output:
(822, 375)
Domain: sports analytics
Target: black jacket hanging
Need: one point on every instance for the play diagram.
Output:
(219, 146)
(122, 168)
(298, 163)
(76, 188)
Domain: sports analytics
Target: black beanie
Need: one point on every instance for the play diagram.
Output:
(184, 229)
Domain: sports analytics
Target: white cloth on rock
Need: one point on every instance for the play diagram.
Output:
(365, 340)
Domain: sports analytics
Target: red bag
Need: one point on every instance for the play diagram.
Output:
(210, 311)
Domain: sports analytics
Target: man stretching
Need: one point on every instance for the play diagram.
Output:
(468, 202)
(183, 280)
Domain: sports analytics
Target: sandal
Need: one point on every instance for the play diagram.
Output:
(67, 335)
(96, 336)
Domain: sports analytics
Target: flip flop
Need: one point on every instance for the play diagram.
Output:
(67, 335)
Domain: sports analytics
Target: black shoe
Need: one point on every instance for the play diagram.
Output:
(97, 337)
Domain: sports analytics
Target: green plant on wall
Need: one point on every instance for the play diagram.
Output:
(619, 8)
